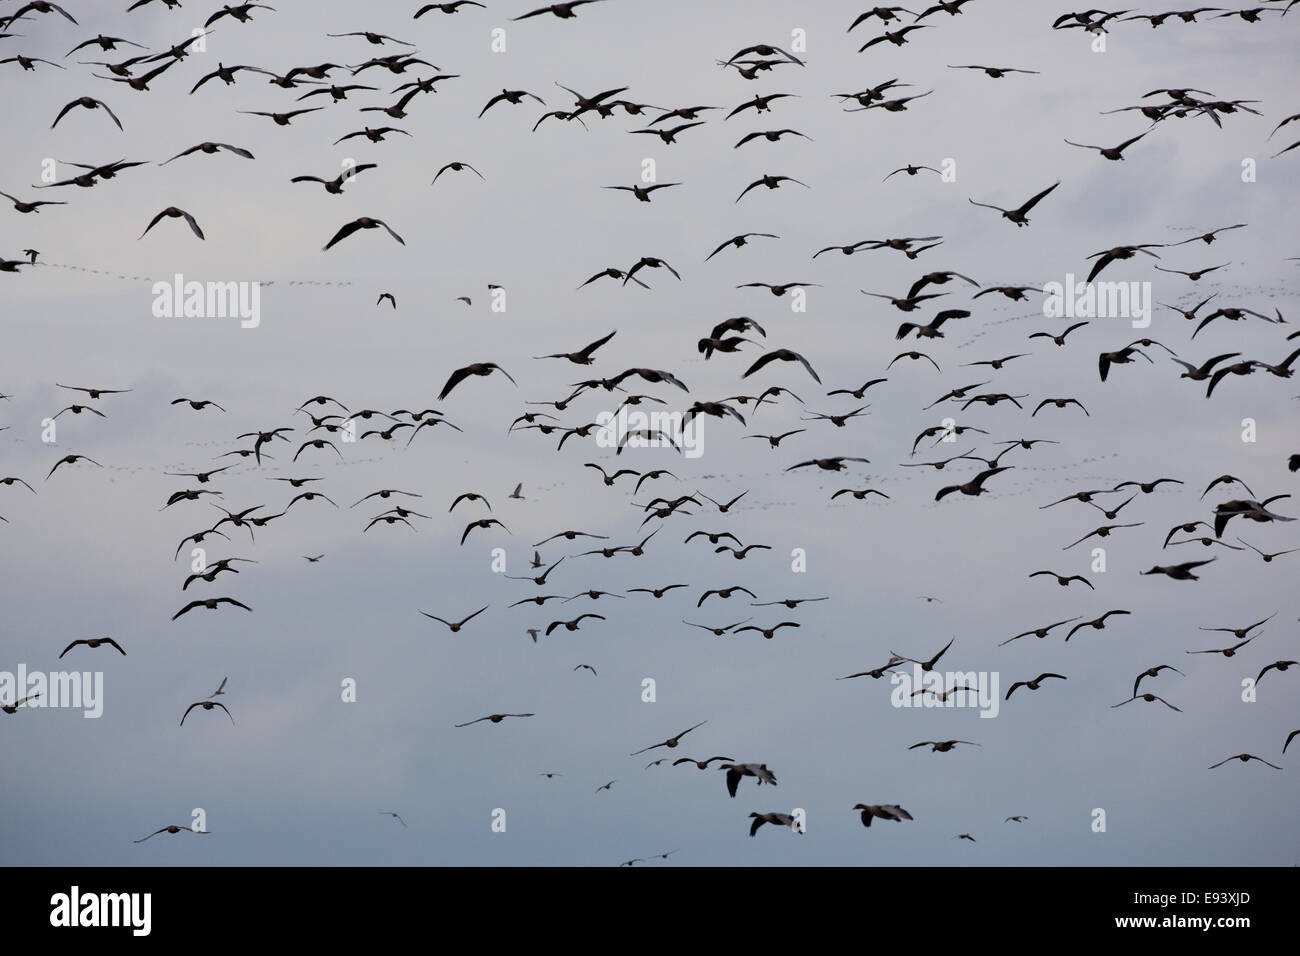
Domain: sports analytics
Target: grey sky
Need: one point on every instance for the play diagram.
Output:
(300, 776)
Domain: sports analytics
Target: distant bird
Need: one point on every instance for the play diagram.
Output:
(996, 72)
(736, 771)
(86, 102)
(671, 742)
(1153, 672)
(1244, 758)
(206, 705)
(172, 212)
(1180, 572)
(457, 167)
(1019, 214)
(885, 811)
(363, 222)
(1098, 624)
(455, 626)
(1112, 152)
(211, 604)
(941, 746)
(13, 708)
(699, 764)
(973, 487)
(738, 241)
(479, 369)
(771, 182)
(643, 193)
(494, 718)
(564, 11)
(1031, 684)
(172, 829)
(96, 642)
(776, 819)
(1279, 666)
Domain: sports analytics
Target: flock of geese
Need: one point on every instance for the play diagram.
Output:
(310, 440)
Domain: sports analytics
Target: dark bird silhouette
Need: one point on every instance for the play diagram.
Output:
(1019, 214)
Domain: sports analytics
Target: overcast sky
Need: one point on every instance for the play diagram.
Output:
(301, 776)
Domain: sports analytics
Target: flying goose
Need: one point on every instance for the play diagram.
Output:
(1279, 666)
(455, 626)
(1098, 624)
(13, 708)
(210, 604)
(700, 764)
(1179, 572)
(1019, 215)
(479, 369)
(172, 829)
(97, 641)
(206, 705)
(735, 771)
(495, 718)
(776, 819)
(1031, 684)
(1039, 632)
(885, 811)
(172, 212)
(363, 222)
(1244, 758)
(671, 742)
